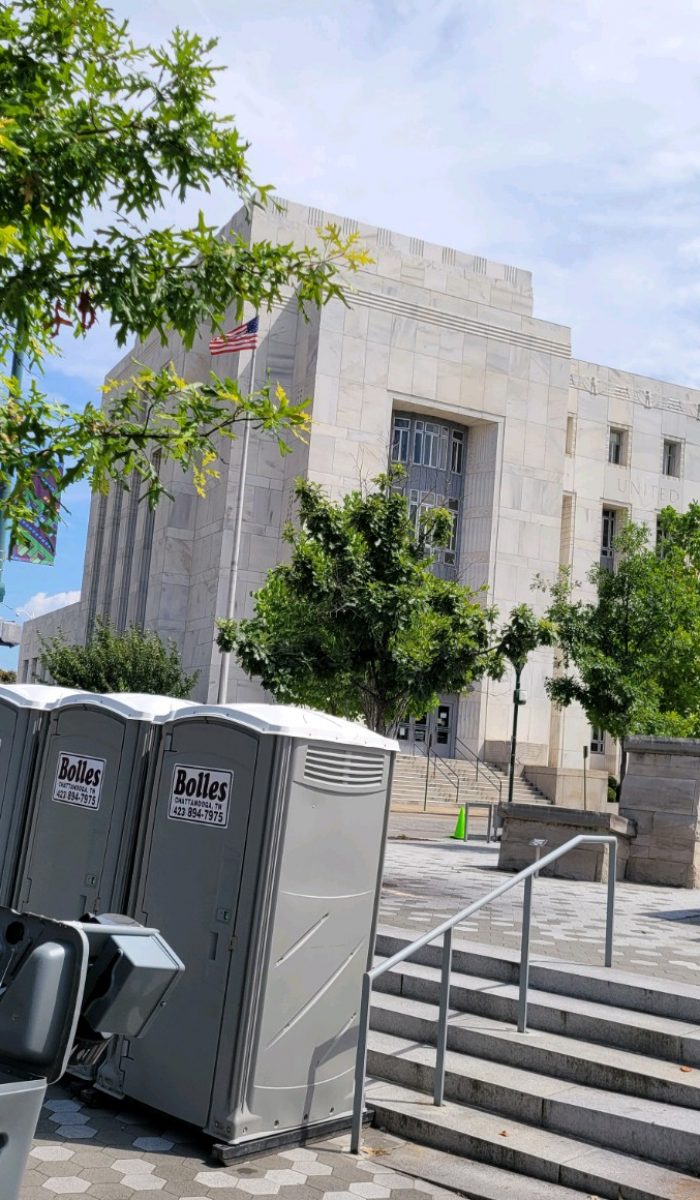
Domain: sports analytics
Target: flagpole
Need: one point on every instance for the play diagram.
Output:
(224, 672)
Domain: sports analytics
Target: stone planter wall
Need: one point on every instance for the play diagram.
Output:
(523, 822)
(661, 793)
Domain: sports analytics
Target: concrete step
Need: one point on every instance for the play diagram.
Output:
(474, 1180)
(511, 1145)
(641, 1032)
(663, 1133)
(604, 985)
(585, 1063)
(409, 776)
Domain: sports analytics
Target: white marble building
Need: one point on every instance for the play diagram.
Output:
(439, 360)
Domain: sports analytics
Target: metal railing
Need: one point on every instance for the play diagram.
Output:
(425, 751)
(450, 775)
(445, 929)
(481, 766)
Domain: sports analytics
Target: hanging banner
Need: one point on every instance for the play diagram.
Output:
(40, 533)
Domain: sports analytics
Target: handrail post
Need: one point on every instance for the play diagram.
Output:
(610, 915)
(445, 976)
(524, 979)
(427, 780)
(358, 1107)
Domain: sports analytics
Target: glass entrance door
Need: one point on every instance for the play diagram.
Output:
(435, 730)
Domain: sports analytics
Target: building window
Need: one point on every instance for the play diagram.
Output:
(400, 439)
(457, 453)
(24, 673)
(430, 445)
(35, 669)
(616, 446)
(597, 741)
(607, 542)
(450, 553)
(570, 427)
(672, 458)
(661, 537)
(419, 505)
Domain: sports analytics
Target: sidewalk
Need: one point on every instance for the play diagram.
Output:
(122, 1152)
(118, 1152)
(427, 880)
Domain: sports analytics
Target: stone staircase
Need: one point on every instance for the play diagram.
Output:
(408, 786)
(600, 1099)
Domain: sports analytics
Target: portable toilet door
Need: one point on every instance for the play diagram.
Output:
(24, 709)
(261, 864)
(86, 804)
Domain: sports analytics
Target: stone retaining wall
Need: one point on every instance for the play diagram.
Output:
(523, 822)
(661, 794)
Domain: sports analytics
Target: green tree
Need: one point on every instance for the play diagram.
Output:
(130, 661)
(96, 134)
(356, 623)
(8, 676)
(517, 639)
(523, 632)
(631, 655)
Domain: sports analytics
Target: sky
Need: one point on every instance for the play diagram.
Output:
(558, 136)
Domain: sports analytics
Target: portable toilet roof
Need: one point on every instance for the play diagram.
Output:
(134, 706)
(35, 695)
(289, 720)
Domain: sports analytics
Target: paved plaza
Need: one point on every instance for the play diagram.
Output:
(428, 877)
(118, 1152)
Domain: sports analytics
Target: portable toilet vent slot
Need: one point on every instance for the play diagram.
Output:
(344, 768)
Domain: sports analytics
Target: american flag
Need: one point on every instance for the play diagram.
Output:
(243, 337)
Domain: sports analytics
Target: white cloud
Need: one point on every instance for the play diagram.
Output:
(42, 603)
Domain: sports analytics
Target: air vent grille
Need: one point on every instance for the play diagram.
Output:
(359, 769)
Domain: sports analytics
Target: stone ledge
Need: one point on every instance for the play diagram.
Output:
(641, 744)
(523, 822)
(552, 815)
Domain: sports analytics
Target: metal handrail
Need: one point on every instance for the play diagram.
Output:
(481, 765)
(450, 775)
(445, 929)
(425, 752)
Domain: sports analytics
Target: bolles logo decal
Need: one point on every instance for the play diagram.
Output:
(78, 780)
(200, 795)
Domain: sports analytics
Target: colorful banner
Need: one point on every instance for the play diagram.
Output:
(40, 533)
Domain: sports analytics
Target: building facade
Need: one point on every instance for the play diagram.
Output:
(438, 363)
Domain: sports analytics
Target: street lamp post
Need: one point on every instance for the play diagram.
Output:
(518, 699)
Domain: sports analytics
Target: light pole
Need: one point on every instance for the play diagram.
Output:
(518, 699)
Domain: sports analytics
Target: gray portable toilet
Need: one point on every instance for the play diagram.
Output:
(261, 862)
(86, 803)
(24, 709)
